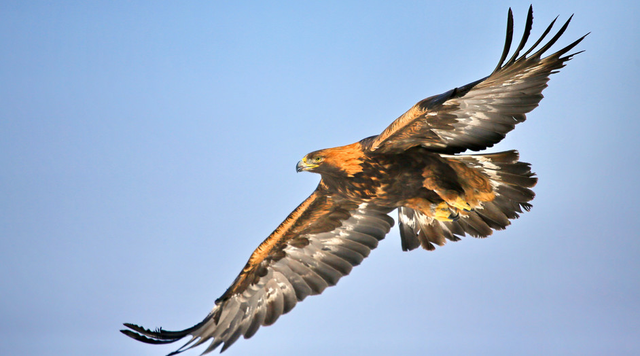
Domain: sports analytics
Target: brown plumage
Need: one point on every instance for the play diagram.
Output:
(411, 166)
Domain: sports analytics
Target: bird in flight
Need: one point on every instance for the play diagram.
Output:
(413, 166)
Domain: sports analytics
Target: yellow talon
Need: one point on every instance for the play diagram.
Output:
(460, 204)
(442, 212)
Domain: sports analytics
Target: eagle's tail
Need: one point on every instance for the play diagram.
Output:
(510, 181)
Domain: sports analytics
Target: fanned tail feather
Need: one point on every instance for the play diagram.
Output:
(510, 180)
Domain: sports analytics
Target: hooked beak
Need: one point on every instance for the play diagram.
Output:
(303, 165)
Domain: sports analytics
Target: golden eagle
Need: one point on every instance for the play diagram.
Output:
(412, 166)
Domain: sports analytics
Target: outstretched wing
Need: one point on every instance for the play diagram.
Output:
(480, 114)
(318, 243)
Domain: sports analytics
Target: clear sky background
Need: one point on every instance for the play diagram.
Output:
(146, 149)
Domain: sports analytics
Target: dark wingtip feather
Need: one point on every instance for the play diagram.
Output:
(570, 47)
(157, 337)
(141, 337)
(542, 37)
(538, 52)
(525, 37)
(553, 40)
(507, 42)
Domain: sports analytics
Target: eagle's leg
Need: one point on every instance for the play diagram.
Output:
(441, 210)
(460, 204)
(444, 212)
(454, 203)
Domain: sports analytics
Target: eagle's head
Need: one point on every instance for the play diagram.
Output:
(311, 162)
(337, 161)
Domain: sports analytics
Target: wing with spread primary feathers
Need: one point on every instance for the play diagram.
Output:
(318, 243)
(480, 114)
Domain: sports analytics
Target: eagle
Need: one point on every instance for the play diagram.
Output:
(415, 167)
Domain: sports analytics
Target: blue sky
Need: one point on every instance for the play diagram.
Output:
(146, 148)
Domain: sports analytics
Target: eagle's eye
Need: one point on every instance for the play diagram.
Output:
(317, 159)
